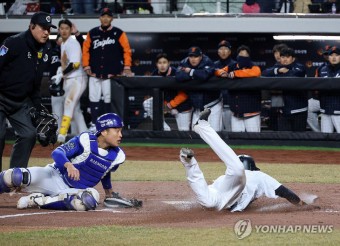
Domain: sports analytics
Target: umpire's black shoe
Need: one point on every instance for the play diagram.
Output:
(204, 115)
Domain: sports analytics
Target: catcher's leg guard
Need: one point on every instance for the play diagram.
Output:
(82, 201)
(3, 185)
(14, 178)
(90, 198)
(65, 125)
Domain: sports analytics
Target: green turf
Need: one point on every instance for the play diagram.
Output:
(118, 235)
(174, 171)
(259, 147)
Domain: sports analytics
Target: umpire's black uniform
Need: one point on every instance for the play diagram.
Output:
(22, 62)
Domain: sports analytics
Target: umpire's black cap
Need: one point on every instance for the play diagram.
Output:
(42, 19)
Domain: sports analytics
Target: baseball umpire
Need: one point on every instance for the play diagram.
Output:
(79, 165)
(238, 187)
(23, 58)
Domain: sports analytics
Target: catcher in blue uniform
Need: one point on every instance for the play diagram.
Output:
(79, 165)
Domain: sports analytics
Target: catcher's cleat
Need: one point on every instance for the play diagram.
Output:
(28, 201)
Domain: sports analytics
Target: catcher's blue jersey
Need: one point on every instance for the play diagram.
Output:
(94, 164)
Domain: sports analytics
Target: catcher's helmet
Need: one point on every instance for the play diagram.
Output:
(56, 90)
(248, 162)
(109, 120)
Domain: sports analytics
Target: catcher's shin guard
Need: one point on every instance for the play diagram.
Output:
(14, 178)
(84, 200)
(65, 125)
(3, 186)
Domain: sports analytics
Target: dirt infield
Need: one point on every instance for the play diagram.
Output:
(171, 204)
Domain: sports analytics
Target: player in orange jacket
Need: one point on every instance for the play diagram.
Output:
(245, 105)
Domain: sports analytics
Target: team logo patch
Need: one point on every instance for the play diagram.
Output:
(29, 55)
(69, 146)
(48, 18)
(45, 58)
(39, 55)
(108, 123)
(3, 50)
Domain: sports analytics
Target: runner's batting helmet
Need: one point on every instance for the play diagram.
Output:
(109, 120)
(248, 162)
(46, 125)
(56, 90)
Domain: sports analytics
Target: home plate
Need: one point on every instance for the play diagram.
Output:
(181, 205)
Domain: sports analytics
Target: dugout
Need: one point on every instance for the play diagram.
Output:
(152, 34)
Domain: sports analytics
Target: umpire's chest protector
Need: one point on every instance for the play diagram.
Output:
(93, 166)
(106, 52)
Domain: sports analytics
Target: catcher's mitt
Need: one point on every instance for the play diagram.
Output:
(116, 201)
(46, 125)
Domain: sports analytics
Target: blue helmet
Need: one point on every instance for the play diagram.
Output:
(109, 120)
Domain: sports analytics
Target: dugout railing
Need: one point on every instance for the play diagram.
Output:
(124, 89)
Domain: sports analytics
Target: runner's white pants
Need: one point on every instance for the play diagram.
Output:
(226, 189)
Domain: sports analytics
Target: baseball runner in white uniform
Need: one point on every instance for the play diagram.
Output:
(238, 187)
(57, 92)
(75, 80)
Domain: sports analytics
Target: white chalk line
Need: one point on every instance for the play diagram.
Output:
(181, 205)
(185, 205)
(56, 212)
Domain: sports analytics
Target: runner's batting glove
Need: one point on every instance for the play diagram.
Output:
(57, 78)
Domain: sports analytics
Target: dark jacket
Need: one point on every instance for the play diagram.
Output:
(106, 52)
(177, 99)
(22, 63)
(294, 101)
(202, 72)
(55, 60)
(244, 103)
(221, 64)
(330, 100)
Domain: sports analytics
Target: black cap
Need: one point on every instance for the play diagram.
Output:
(42, 19)
(326, 49)
(334, 49)
(224, 43)
(106, 11)
(195, 51)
